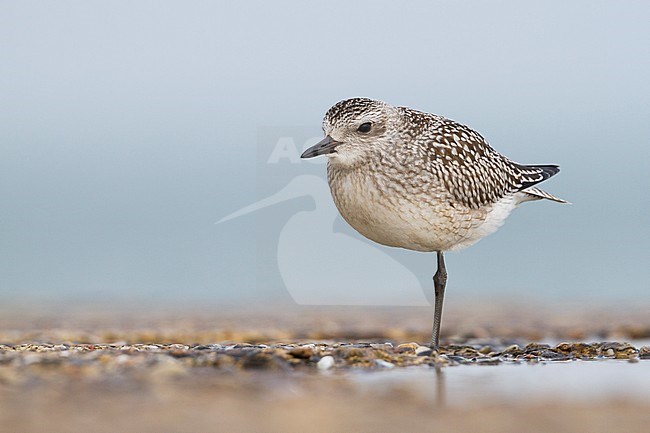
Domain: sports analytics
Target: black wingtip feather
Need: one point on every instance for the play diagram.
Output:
(547, 170)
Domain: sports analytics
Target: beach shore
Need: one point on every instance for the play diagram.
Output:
(323, 369)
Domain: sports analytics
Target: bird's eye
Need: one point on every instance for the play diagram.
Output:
(365, 127)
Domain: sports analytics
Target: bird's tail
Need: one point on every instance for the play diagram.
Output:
(532, 175)
(534, 193)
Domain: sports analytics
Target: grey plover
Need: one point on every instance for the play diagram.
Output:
(409, 179)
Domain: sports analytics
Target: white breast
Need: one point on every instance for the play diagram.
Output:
(408, 219)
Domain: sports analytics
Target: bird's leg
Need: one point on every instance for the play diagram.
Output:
(439, 283)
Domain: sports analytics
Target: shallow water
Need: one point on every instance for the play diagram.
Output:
(509, 383)
(76, 370)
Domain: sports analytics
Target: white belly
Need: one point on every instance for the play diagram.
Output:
(411, 220)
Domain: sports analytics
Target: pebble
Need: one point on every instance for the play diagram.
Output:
(531, 347)
(325, 363)
(384, 364)
(644, 352)
(303, 352)
(382, 346)
(485, 350)
(407, 348)
(26, 361)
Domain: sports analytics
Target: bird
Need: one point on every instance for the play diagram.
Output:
(420, 181)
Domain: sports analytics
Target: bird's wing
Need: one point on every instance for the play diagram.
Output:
(473, 172)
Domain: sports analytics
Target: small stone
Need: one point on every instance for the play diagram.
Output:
(456, 359)
(485, 350)
(325, 363)
(207, 347)
(467, 352)
(407, 348)
(512, 348)
(553, 355)
(565, 347)
(242, 346)
(384, 364)
(381, 346)
(351, 353)
(423, 351)
(252, 359)
(621, 350)
(304, 352)
(178, 353)
(644, 352)
(488, 361)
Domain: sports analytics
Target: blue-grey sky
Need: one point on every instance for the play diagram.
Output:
(129, 128)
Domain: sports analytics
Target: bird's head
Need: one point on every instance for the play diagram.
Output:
(354, 129)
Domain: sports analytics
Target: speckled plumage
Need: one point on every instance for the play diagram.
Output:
(425, 182)
(419, 181)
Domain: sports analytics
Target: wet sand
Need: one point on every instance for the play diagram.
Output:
(286, 369)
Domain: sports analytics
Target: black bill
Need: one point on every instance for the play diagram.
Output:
(323, 147)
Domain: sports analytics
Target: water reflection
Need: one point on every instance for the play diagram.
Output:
(509, 383)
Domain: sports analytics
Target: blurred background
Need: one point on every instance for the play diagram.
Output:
(128, 129)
